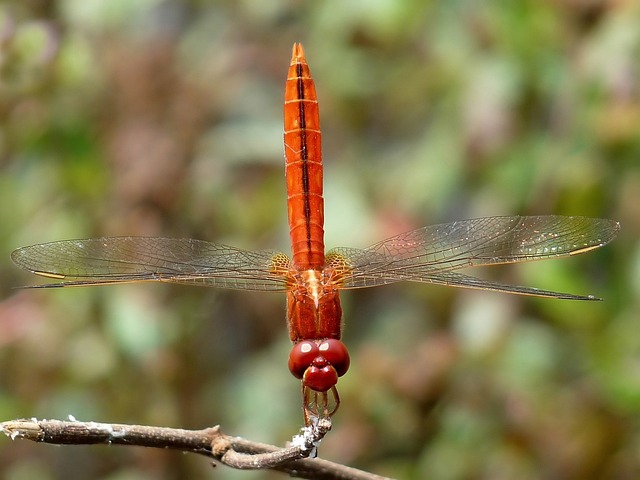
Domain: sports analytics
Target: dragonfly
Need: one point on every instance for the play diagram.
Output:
(311, 278)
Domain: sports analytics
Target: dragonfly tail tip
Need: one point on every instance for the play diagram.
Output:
(298, 52)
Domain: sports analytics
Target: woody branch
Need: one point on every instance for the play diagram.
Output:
(235, 452)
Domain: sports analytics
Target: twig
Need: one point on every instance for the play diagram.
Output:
(235, 452)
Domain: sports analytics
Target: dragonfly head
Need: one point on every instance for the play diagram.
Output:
(319, 363)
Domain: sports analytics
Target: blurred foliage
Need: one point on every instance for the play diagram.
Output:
(164, 118)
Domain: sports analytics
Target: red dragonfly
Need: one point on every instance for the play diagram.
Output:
(312, 278)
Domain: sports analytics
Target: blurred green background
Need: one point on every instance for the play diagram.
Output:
(164, 118)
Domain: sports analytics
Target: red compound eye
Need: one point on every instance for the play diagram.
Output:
(336, 354)
(301, 356)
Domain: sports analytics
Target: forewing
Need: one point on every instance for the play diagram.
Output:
(431, 253)
(110, 260)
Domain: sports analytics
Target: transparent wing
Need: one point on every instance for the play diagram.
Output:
(110, 260)
(432, 254)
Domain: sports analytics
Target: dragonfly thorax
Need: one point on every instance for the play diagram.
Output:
(313, 307)
(312, 282)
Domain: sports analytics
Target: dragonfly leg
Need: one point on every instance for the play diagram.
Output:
(318, 405)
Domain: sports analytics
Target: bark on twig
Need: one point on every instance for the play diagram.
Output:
(235, 452)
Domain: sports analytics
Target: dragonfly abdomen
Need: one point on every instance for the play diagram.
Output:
(303, 165)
